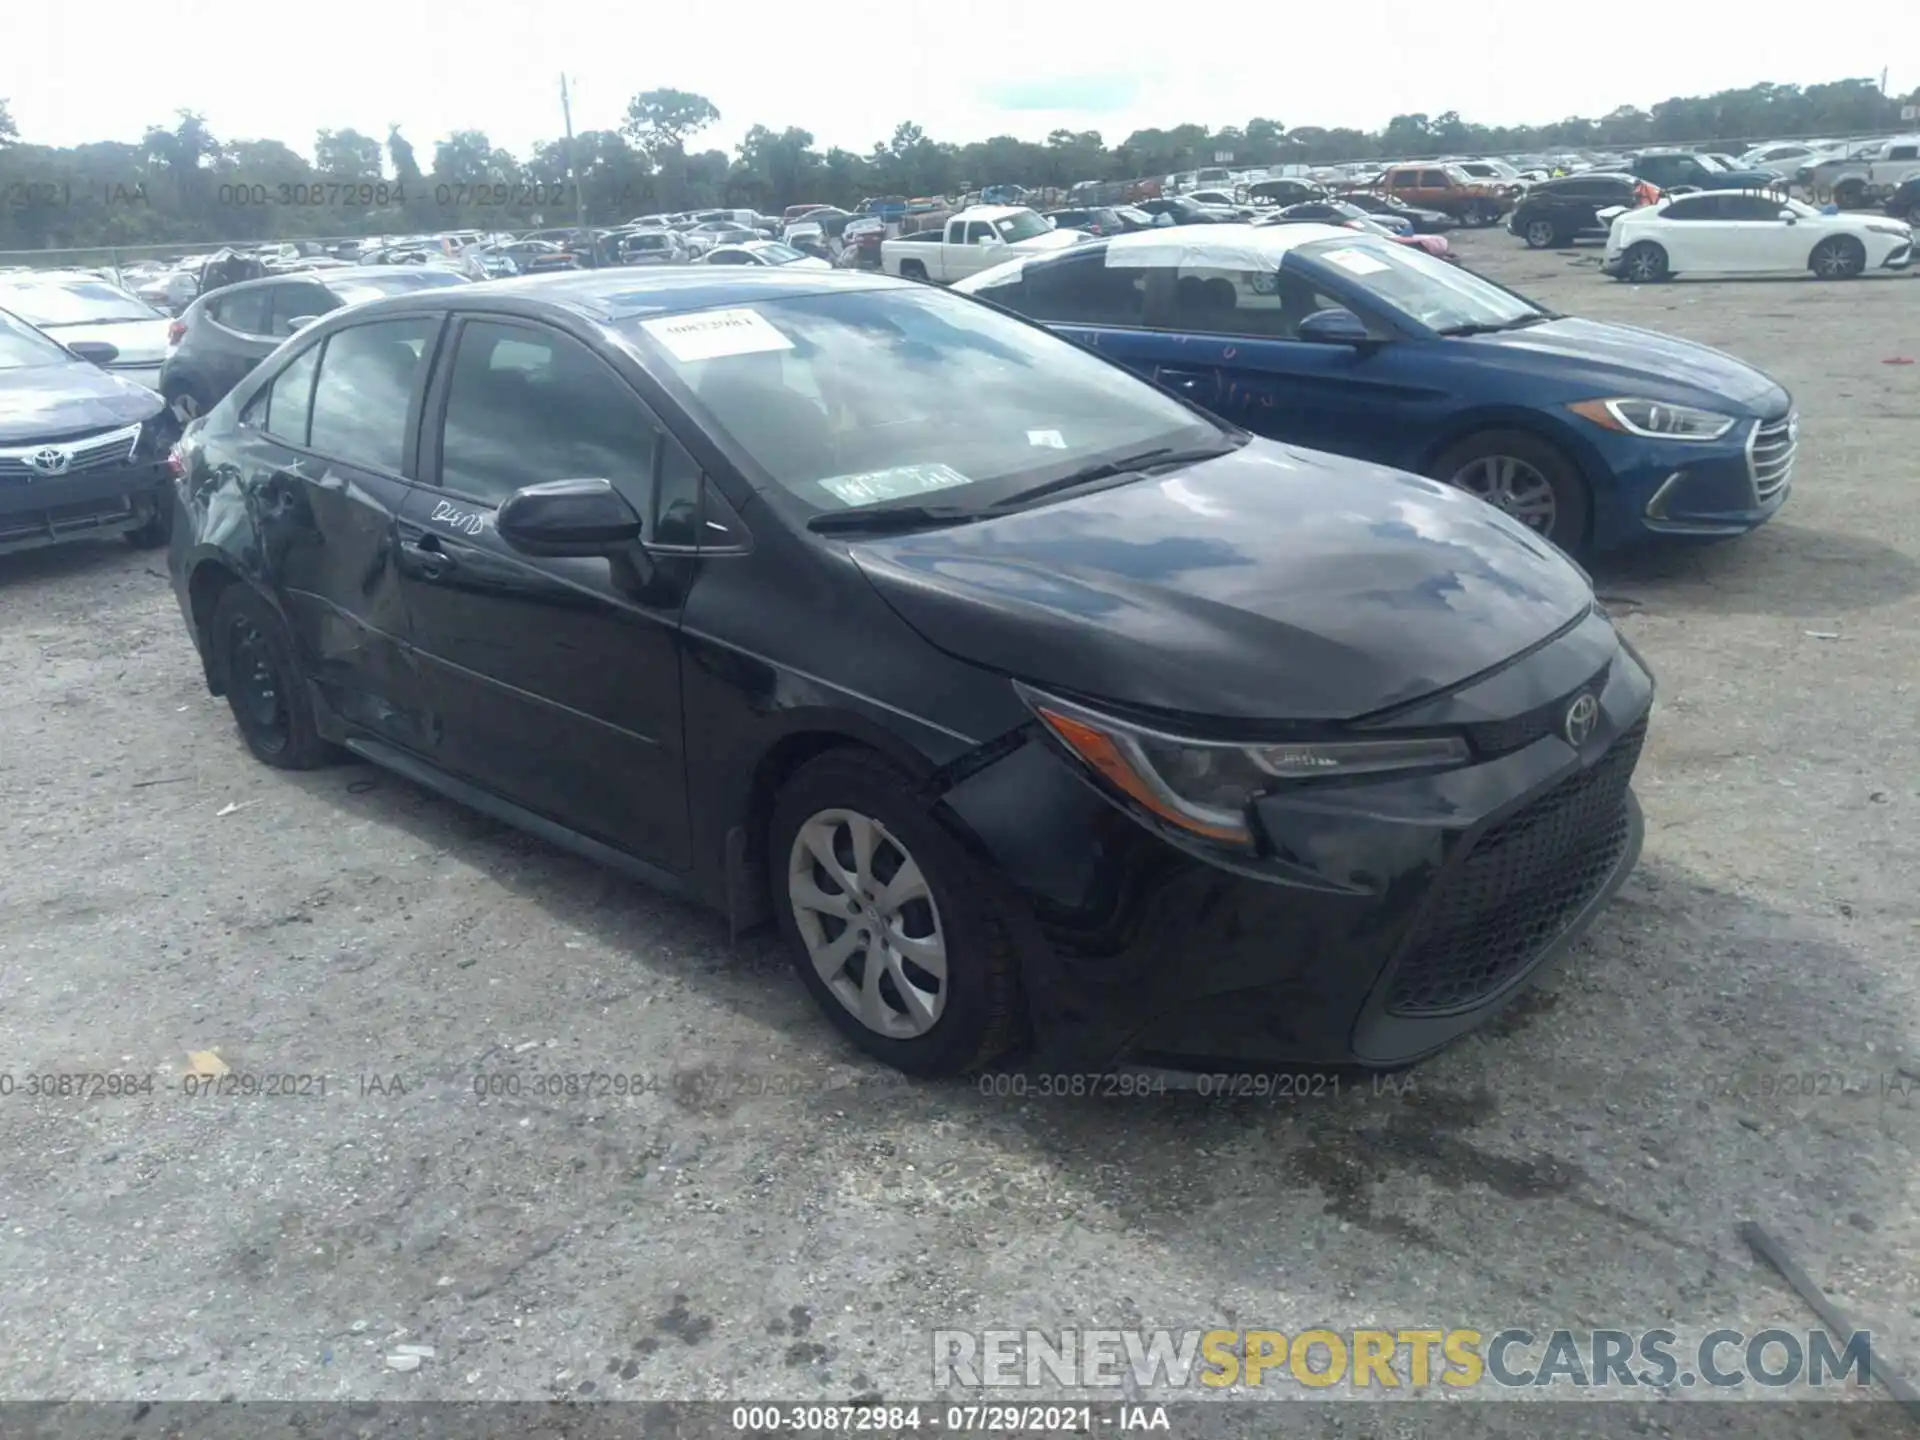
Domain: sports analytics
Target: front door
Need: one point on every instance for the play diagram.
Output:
(554, 682)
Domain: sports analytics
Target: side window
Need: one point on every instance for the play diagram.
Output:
(1903, 152)
(1749, 207)
(1433, 180)
(977, 231)
(289, 399)
(1695, 207)
(1208, 300)
(291, 301)
(1080, 288)
(244, 311)
(365, 388)
(526, 405)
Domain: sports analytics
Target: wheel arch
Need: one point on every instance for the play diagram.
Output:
(1586, 460)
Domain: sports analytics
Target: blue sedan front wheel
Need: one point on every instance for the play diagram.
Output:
(1524, 476)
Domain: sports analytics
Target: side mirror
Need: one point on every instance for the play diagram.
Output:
(300, 322)
(1335, 326)
(1789, 217)
(95, 352)
(568, 518)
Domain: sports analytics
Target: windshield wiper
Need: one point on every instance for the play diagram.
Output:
(1164, 458)
(879, 518)
(1483, 328)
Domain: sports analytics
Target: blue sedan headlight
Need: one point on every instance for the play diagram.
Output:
(1655, 419)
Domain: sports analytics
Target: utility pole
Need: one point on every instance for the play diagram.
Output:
(573, 169)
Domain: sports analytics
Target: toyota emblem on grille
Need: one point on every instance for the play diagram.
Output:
(1582, 715)
(49, 461)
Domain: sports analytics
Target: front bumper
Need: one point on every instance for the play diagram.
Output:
(1719, 488)
(1385, 919)
(50, 511)
(1899, 258)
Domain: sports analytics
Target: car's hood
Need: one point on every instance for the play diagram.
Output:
(140, 342)
(1273, 583)
(1743, 179)
(1626, 354)
(54, 400)
(1052, 240)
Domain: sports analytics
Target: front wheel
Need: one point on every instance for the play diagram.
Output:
(1540, 235)
(1524, 476)
(1839, 257)
(1644, 264)
(893, 926)
(264, 685)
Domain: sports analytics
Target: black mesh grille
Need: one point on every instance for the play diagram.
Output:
(1518, 887)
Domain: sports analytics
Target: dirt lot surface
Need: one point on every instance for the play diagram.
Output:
(770, 1216)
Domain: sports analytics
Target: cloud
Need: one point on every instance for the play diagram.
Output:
(1091, 94)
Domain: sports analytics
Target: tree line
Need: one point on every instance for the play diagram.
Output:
(180, 183)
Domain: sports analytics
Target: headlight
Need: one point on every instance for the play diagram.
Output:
(1654, 419)
(1205, 786)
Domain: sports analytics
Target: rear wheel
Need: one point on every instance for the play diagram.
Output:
(1839, 257)
(1523, 475)
(265, 688)
(893, 926)
(1644, 264)
(912, 270)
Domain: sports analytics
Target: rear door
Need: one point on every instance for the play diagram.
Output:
(553, 682)
(330, 443)
(1695, 237)
(238, 338)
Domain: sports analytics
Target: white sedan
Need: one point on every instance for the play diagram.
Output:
(762, 252)
(1736, 232)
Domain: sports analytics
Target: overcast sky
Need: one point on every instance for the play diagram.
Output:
(850, 71)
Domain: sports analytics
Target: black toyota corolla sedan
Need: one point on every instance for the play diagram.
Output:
(82, 451)
(1025, 698)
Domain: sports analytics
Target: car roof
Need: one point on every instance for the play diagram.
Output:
(1258, 245)
(610, 296)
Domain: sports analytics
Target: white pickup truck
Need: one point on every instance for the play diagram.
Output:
(972, 241)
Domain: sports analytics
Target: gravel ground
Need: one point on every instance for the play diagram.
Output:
(772, 1217)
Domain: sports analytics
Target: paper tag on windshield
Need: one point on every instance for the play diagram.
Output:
(1354, 262)
(1049, 439)
(899, 483)
(712, 334)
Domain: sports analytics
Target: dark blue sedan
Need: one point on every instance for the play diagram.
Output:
(1597, 436)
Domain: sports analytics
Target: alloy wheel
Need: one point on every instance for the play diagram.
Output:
(1833, 261)
(868, 920)
(1512, 485)
(253, 682)
(1540, 234)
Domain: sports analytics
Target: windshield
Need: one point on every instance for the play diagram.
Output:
(1714, 162)
(1024, 226)
(1800, 209)
(1407, 279)
(24, 348)
(74, 302)
(1459, 176)
(875, 397)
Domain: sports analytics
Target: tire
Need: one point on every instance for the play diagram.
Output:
(1838, 257)
(1913, 214)
(922, 1024)
(1543, 489)
(1541, 235)
(1645, 263)
(1850, 195)
(159, 526)
(264, 685)
(912, 270)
